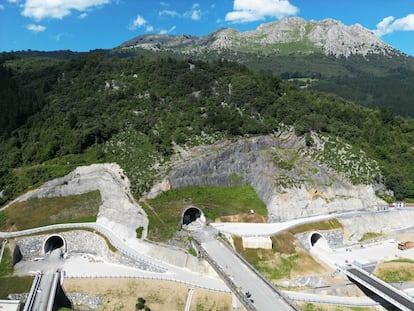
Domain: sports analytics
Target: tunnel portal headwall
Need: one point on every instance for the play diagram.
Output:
(53, 242)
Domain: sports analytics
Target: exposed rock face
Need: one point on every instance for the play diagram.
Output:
(118, 211)
(328, 36)
(278, 167)
(384, 222)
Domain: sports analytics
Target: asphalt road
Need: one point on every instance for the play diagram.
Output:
(51, 263)
(263, 296)
(384, 289)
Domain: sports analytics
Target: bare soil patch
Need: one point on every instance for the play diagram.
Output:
(122, 294)
(208, 300)
(308, 265)
(243, 217)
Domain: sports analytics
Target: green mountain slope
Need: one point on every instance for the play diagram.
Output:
(96, 108)
(327, 56)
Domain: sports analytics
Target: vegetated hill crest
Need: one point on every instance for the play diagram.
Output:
(288, 35)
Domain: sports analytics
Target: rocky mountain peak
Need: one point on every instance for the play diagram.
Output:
(329, 35)
(288, 35)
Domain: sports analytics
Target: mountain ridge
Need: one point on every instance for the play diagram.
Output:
(329, 37)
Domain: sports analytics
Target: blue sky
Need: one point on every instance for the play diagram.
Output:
(83, 25)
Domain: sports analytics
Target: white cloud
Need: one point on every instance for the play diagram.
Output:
(168, 13)
(165, 31)
(196, 13)
(40, 9)
(390, 24)
(164, 4)
(253, 10)
(12, 1)
(140, 22)
(83, 15)
(1, 6)
(58, 36)
(36, 28)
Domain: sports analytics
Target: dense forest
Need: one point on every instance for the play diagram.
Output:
(373, 81)
(61, 113)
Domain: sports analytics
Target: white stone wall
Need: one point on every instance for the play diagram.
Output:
(257, 242)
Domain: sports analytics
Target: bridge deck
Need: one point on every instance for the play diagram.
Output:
(386, 291)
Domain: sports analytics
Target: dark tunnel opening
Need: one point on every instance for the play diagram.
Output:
(315, 238)
(52, 243)
(190, 215)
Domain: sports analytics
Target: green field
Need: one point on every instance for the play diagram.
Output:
(42, 212)
(329, 224)
(369, 236)
(14, 285)
(6, 265)
(11, 284)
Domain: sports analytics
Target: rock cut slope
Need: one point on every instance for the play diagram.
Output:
(293, 181)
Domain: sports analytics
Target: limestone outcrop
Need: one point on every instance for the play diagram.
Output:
(118, 211)
(292, 181)
(328, 36)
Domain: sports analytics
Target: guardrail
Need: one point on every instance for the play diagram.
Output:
(33, 292)
(52, 293)
(326, 299)
(3, 245)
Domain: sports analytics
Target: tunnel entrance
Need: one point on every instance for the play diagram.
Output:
(54, 242)
(316, 239)
(190, 215)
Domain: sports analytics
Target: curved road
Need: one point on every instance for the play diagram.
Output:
(113, 239)
(163, 270)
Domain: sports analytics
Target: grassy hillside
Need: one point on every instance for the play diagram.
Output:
(96, 107)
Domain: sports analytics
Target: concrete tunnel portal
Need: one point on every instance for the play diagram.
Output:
(191, 214)
(317, 239)
(53, 242)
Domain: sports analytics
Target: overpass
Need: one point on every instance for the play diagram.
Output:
(46, 293)
(384, 290)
